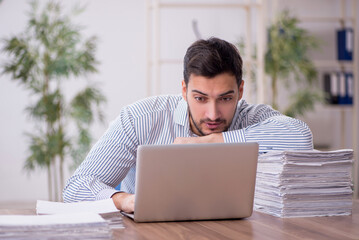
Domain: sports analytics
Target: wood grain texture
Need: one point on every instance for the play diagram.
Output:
(258, 226)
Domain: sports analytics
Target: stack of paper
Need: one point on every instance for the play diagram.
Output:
(60, 226)
(304, 183)
(106, 208)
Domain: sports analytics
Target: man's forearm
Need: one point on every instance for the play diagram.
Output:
(275, 133)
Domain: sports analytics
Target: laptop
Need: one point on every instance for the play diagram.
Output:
(184, 182)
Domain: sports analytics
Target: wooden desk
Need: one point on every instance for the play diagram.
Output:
(258, 226)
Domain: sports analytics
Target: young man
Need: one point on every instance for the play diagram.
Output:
(209, 110)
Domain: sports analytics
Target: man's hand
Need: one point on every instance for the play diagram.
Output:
(212, 138)
(124, 201)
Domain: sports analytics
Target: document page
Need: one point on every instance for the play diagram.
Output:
(101, 206)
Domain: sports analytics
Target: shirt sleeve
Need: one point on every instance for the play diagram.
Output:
(106, 164)
(274, 133)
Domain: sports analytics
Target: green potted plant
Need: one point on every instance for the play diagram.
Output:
(50, 51)
(286, 59)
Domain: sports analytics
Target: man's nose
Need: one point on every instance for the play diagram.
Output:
(213, 112)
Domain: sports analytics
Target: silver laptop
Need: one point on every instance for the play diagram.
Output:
(195, 181)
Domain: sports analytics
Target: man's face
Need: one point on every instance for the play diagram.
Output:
(211, 102)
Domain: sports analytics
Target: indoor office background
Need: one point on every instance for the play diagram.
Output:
(141, 54)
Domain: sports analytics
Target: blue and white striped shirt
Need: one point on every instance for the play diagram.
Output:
(159, 120)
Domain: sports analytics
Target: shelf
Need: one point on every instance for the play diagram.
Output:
(326, 19)
(333, 63)
(338, 106)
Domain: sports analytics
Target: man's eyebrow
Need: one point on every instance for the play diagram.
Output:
(196, 91)
(223, 94)
(226, 93)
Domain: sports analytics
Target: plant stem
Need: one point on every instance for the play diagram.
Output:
(61, 174)
(60, 142)
(274, 90)
(61, 164)
(55, 176)
(49, 129)
(49, 182)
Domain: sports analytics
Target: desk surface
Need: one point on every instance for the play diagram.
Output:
(258, 226)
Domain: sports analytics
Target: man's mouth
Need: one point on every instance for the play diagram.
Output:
(213, 125)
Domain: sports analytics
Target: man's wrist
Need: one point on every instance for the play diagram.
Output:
(118, 198)
(214, 138)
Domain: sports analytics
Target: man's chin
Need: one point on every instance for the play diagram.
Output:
(210, 131)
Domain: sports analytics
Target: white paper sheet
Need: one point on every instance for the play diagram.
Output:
(35, 220)
(101, 206)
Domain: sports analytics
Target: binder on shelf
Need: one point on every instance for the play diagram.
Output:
(334, 88)
(345, 44)
(326, 81)
(349, 87)
(338, 87)
(330, 88)
(342, 99)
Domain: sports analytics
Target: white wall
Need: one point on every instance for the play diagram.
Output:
(121, 28)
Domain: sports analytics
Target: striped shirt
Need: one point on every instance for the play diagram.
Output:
(159, 120)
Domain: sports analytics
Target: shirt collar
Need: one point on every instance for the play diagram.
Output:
(181, 118)
(181, 113)
(237, 115)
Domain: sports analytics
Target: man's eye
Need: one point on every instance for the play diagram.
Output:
(226, 99)
(200, 99)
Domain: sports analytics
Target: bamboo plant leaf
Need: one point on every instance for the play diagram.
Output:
(81, 147)
(39, 154)
(47, 107)
(23, 62)
(85, 103)
(303, 101)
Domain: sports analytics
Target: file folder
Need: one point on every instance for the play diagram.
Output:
(345, 44)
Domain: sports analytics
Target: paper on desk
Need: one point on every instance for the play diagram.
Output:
(34, 220)
(78, 226)
(304, 183)
(106, 208)
(101, 206)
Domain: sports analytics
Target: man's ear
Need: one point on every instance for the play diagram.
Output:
(240, 90)
(184, 90)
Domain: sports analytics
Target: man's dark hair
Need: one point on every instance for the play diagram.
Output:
(211, 57)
